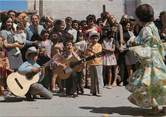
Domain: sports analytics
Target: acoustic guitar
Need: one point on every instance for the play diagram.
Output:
(72, 65)
(19, 84)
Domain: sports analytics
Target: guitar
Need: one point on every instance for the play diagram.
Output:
(72, 65)
(19, 84)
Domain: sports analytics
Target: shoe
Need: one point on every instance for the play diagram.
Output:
(155, 109)
(36, 96)
(114, 84)
(94, 94)
(99, 95)
(163, 110)
(81, 91)
(29, 97)
(72, 95)
(108, 87)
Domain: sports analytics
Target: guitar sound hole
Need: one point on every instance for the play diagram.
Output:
(18, 83)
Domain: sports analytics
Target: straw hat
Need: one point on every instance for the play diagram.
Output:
(94, 33)
(31, 50)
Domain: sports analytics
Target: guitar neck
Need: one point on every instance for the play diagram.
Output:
(87, 59)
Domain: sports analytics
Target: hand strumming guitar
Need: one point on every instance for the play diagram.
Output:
(36, 69)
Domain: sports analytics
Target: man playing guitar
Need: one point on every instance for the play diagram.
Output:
(29, 68)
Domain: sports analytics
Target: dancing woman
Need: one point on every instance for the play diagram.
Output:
(148, 82)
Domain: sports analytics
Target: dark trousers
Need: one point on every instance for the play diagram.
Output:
(71, 83)
(122, 67)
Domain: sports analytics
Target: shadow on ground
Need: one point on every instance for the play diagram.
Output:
(123, 110)
(11, 99)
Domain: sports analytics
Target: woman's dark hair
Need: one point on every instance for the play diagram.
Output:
(145, 13)
(11, 11)
(5, 18)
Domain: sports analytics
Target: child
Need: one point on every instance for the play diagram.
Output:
(4, 68)
(109, 60)
(95, 65)
(19, 37)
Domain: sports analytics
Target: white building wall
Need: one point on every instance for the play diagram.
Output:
(79, 9)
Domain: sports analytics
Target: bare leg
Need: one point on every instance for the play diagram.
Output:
(129, 70)
(109, 76)
(53, 82)
(155, 107)
(1, 90)
(115, 75)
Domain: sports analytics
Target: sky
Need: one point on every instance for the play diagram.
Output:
(18, 5)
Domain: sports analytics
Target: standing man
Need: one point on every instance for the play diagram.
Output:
(70, 29)
(34, 28)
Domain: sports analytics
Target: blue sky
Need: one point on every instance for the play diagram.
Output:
(19, 5)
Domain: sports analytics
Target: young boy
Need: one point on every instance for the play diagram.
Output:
(95, 65)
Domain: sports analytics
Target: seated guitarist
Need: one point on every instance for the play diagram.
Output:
(29, 68)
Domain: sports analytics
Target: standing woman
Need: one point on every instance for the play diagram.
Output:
(10, 44)
(148, 82)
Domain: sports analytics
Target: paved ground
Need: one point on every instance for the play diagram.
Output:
(113, 103)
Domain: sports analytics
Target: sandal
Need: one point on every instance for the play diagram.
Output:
(156, 109)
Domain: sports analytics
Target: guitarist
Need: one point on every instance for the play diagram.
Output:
(95, 66)
(73, 83)
(29, 68)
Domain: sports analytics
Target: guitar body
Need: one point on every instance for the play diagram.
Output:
(19, 84)
(61, 72)
(73, 64)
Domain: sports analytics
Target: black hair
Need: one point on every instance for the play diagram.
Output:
(5, 18)
(36, 37)
(67, 19)
(91, 17)
(43, 32)
(145, 13)
(11, 11)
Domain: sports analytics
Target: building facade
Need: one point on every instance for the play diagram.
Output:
(79, 9)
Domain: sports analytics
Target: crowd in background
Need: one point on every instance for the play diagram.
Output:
(51, 37)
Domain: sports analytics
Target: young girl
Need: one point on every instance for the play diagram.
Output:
(109, 60)
(4, 68)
